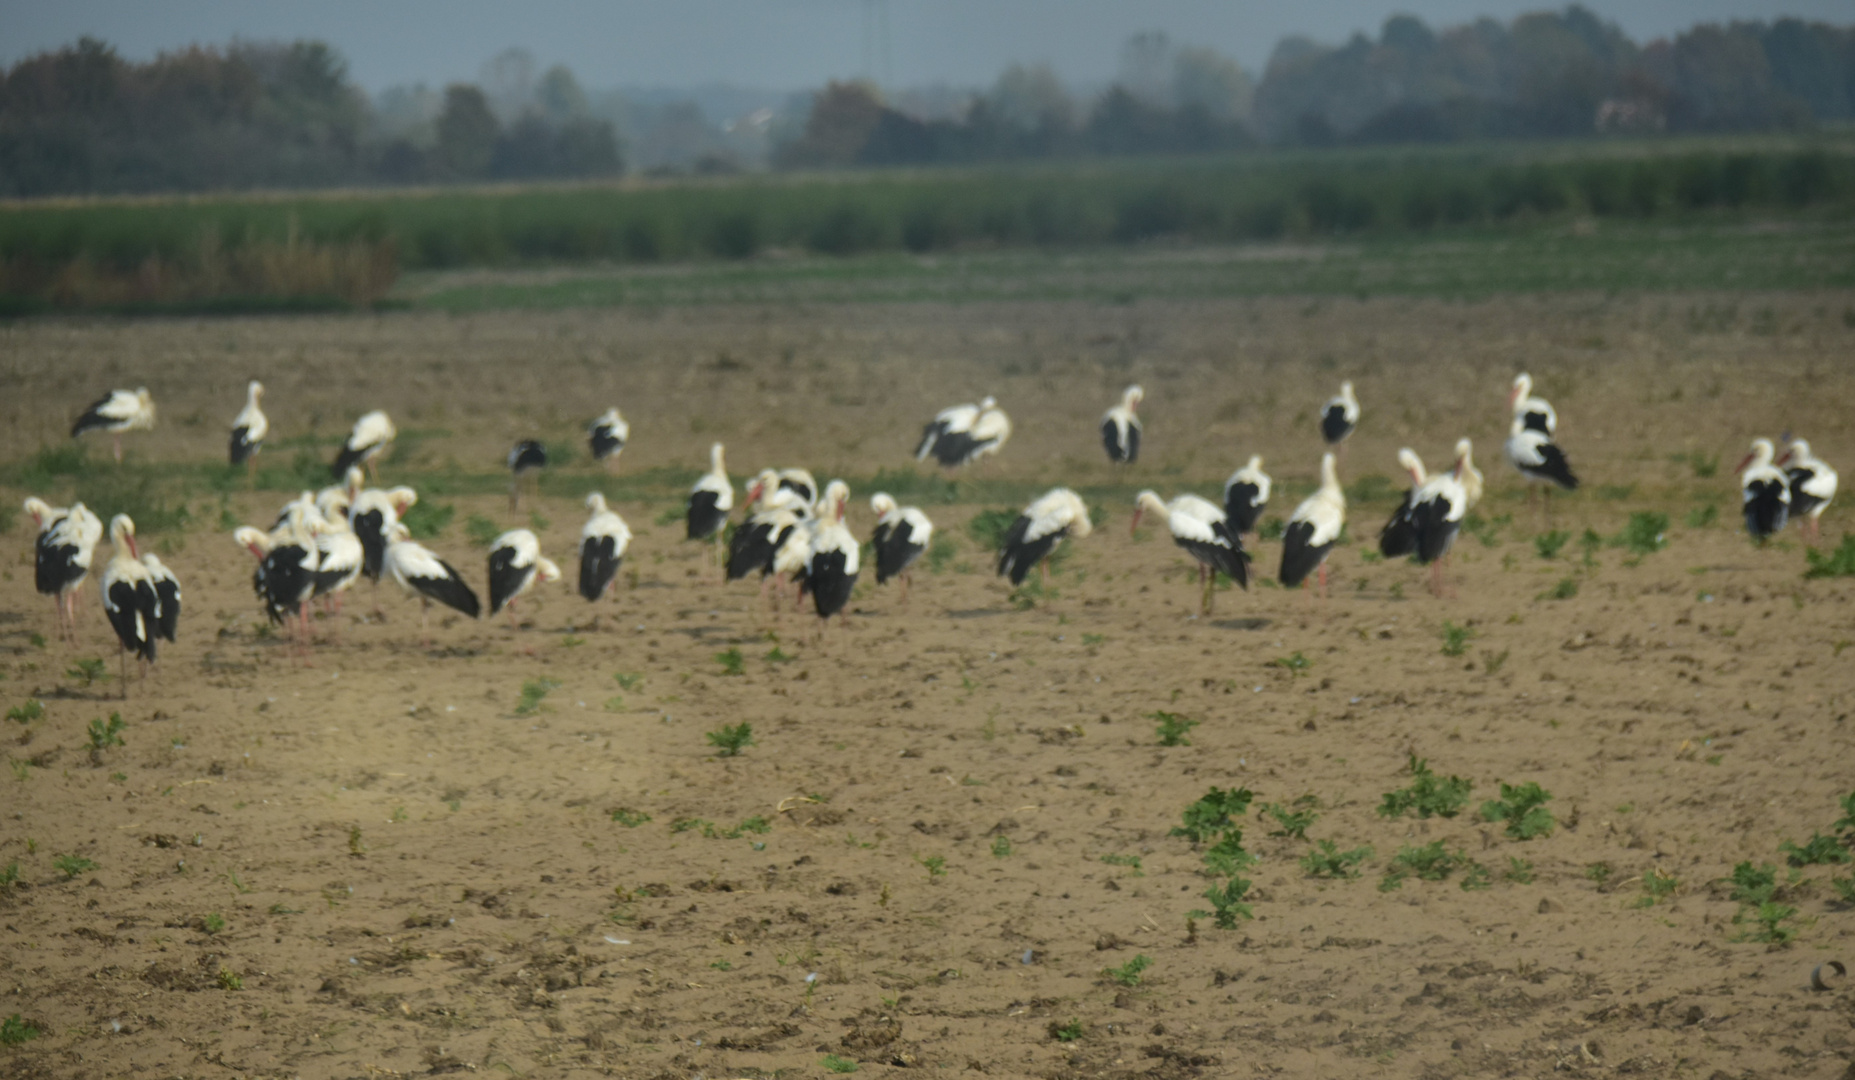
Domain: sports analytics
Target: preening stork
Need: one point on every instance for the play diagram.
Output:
(116, 412)
(340, 555)
(607, 436)
(832, 564)
(1533, 453)
(1765, 490)
(527, 456)
(1313, 529)
(963, 434)
(516, 563)
(1339, 416)
(1813, 484)
(711, 500)
(1035, 533)
(420, 572)
(167, 596)
(249, 428)
(603, 541)
(370, 436)
(1246, 495)
(1467, 472)
(902, 534)
(372, 516)
(778, 510)
(1399, 536)
(1120, 428)
(285, 578)
(1534, 413)
(1198, 526)
(129, 599)
(1437, 509)
(62, 552)
(801, 484)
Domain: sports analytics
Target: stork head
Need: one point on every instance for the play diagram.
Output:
(987, 402)
(882, 503)
(546, 570)
(253, 540)
(1523, 385)
(39, 509)
(596, 502)
(1143, 502)
(122, 534)
(1465, 456)
(1132, 397)
(255, 389)
(1411, 463)
(403, 499)
(836, 498)
(1762, 453)
(1795, 448)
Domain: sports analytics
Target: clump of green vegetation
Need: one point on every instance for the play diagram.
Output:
(1599, 874)
(1657, 886)
(1456, 638)
(1523, 807)
(731, 661)
(628, 817)
(355, 847)
(1519, 871)
(1069, 1032)
(9, 874)
(1173, 728)
(213, 922)
(1548, 544)
(1768, 921)
(1820, 850)
(1428, 794)
(730, 739)
(1293, 824)
(1644, 534)
(15, 1030)
(1839, 563)
(1702, 516)
(1428, 862)
(988, 528)
(1227, 903)
(1294, 663)
(1704, 466)
(1564, 590)
(425, 519)
(1001, 846)
(1328, 861)
(104, 735)
(1590, 542)
(1754, 884)
(941, 552)
(833, 1063)
(230, 980)
(1271, 528)
(776, 655)
(1845, 889)
(1847, 820)
(1130, 861)
(533, 691)
(1227, 855)
(1492, 662)
(935, 865)
(32, 710)
(1128, 974)
(1486, 530)
(756, 824)
(481, 530)
(73, 865)
(1213, 814)
(88, 671)
(628, 681)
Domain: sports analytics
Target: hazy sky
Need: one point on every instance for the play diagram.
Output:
(778, 43)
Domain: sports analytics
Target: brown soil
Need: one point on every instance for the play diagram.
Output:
(413, 879)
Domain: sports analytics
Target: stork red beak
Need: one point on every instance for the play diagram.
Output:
(1741, 467)
(1135, 527)
(134, 552)
(1513, 396)
(1788, 454)
(753, 493)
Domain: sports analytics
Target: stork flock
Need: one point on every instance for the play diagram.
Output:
(322, 543)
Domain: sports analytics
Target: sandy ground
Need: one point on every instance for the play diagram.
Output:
(373, 866)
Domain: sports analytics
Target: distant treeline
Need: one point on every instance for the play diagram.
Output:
(1545, 75)
(343, 249)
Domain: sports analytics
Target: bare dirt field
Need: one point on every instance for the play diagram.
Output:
(954, 819)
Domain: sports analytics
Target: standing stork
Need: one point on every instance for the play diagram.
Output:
(516, 563)
(528, 456)
(370, 436)
(340, 554)
(1035, 533)
(1120, 427)
(167, 596)
(62, 552)
(248, 429)
(129, 599)
(1313, 529)
(1198, 526)
(603, 541)
(285, 578)
(1765, 491)
(1813, 484)
(1399, 536)
(832, 564)
(116, 412)
(1437, 509)
(417, 570)
(800, 483)
(1533, 453)
(758, 540)
(963, 434)
(1467, 472)
(1340, 415)
(1246, 494)
(711, 500)
(607, 435)
(953, 420)
(902, 534)
(1534, 413)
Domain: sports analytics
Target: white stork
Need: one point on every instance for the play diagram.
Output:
(129, 598)
(603, 541)
(963, 434)
(1534, 413)
(116, 412)
(1314, 528)
(902, 534)
(1120, 428)
(528, 456)
(800, 483)
(340, 555)
(832, 564)
(372, 516)
(1339, 416)
(1467, 472)
(417, 570)
(1399, 536)
(249, 428)
(711, 500)
(516, 563)
(757, 541)
(62, 552)
(1246, 494)
(285, 578)
(1035, 533)
(1765, 490)
(370, 436)
(167, 596)
(607, 436)
(1813, 484)
(1533, 453)
(1437, 509)
(1198, 526)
